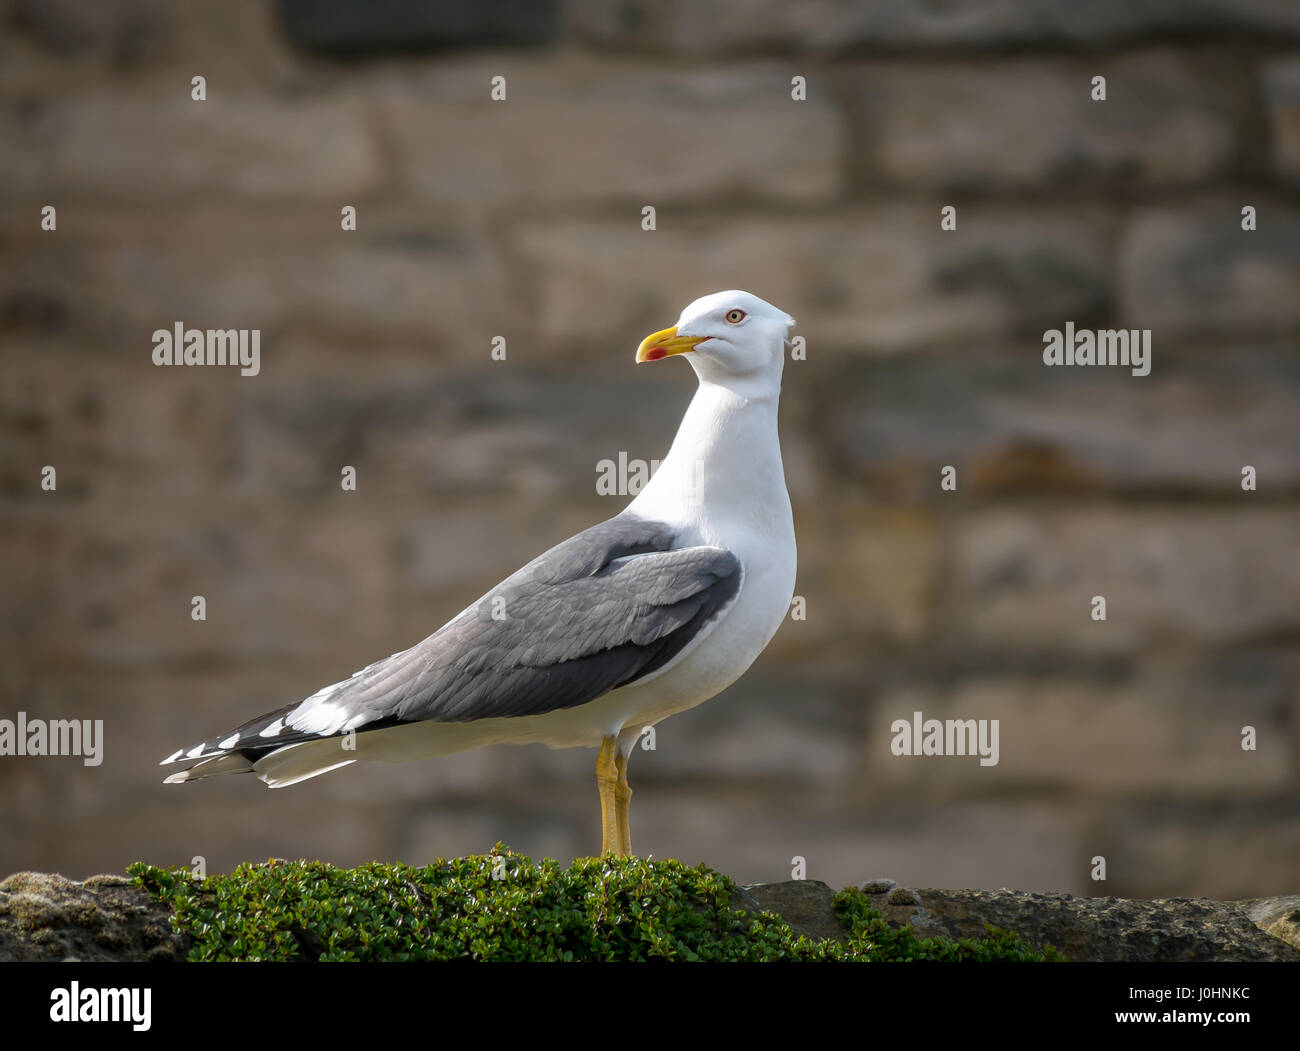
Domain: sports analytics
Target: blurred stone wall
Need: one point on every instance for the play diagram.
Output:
(522, 219)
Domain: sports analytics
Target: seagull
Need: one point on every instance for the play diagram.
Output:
(647, 614)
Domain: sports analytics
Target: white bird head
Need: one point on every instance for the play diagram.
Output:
(734, 339)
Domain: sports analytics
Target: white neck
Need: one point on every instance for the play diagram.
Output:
(724, 466)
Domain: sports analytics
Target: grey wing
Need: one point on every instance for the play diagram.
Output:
(601, 610)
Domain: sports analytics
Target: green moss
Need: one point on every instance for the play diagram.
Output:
(596, 909)
(874, 940)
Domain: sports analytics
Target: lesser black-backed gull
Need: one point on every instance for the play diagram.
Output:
(637, 618)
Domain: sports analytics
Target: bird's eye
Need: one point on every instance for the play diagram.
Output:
(735, 317)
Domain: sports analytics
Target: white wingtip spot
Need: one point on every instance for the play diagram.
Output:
(229, 742)
(176, 779)
(273, 729)
(194, 752)
(173, 757)
(324, 718)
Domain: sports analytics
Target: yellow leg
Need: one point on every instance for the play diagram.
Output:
(606, 780)
(623, 797)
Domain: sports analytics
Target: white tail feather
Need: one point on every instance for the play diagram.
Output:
(230, 763)
(297, 762)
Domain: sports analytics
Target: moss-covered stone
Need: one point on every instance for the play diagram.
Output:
(503, 906)
(44, 916)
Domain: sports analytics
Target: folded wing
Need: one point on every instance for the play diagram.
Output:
(602, 610)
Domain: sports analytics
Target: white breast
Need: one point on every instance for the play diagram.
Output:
(721, 484)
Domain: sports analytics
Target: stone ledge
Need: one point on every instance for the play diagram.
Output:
(47, 917)
(1163, 930)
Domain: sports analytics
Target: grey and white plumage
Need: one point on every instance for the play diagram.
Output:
(638, 617)
(603, 609)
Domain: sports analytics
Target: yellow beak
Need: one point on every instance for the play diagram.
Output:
(663, 344)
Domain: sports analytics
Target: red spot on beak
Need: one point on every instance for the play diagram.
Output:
(655, 353)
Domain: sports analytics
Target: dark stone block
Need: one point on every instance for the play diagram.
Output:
(367, 27)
